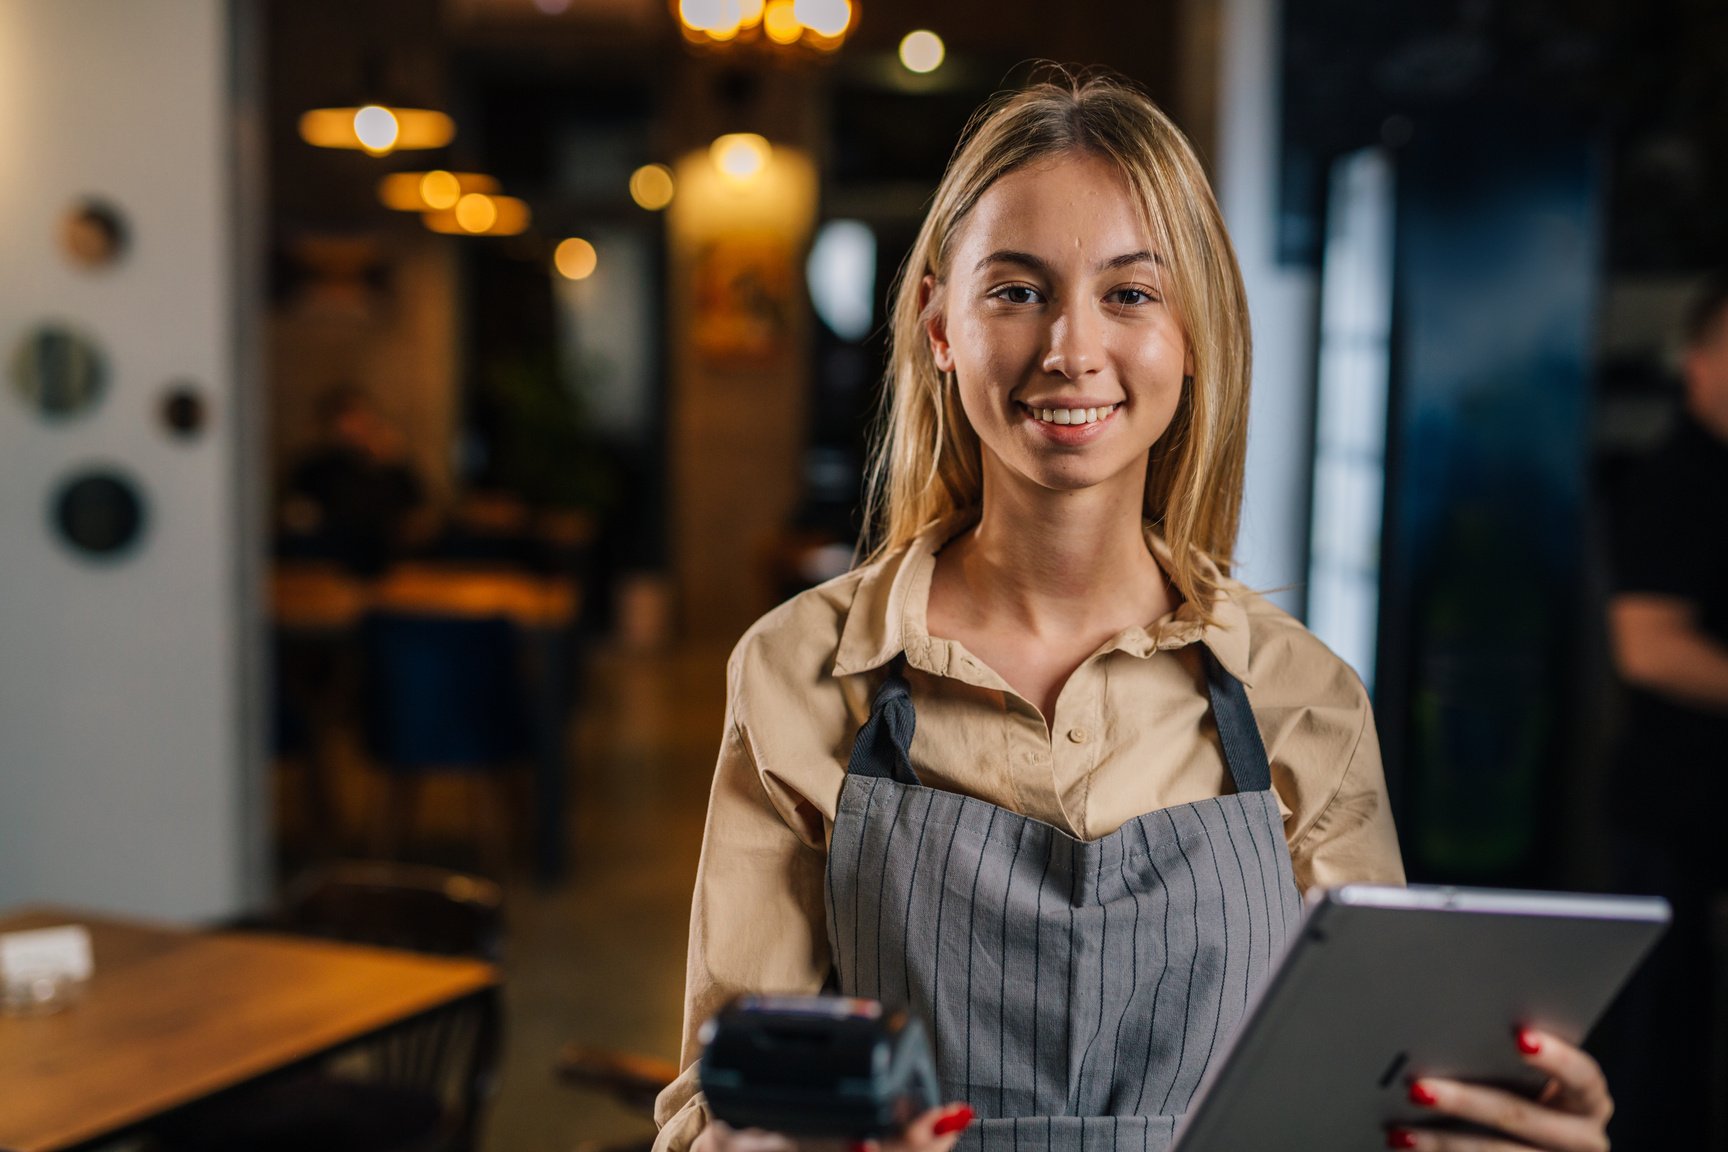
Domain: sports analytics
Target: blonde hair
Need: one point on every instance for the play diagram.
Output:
(927, 465)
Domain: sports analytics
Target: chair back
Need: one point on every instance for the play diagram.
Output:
(443, 690)
(451, 1054)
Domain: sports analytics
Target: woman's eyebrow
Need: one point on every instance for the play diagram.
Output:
(1035, 264)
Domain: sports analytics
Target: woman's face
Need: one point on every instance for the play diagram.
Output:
(1068, 363)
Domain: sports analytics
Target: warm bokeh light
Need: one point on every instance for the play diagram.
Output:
(818, 24)
(430, 191)
(922, 51)
(376, 128)
(651, 186)
(575, 259)
(481, 214)
(780, 23)
(476, 212)
(824, 17)
(740, 156)
(706, 15)
(440, 189)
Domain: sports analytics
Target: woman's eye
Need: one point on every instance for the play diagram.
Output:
(1018, 294)
(1132, 296)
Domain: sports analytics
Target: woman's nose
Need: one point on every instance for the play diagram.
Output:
(1074, 343)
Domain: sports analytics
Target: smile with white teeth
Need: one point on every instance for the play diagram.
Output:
(1072, 415)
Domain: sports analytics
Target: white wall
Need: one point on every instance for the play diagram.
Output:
(1272, 548)
(124, 764)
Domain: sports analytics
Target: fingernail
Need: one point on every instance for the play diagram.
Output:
(1421, 1094)
(1528, 1042)
(1400, 1138)
(954, 1121)
(859, 1146)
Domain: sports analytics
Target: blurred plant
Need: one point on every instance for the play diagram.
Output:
(543, 448)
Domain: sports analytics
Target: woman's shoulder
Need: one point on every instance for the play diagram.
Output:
(797, 643)
(1288, 664)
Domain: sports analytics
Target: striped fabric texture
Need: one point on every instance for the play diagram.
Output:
(1075, 992)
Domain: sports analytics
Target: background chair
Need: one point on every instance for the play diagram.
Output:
(420, 1087)
(444, 692)
(633, 1080)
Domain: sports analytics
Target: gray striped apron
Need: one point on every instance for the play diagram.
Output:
(1075, 992)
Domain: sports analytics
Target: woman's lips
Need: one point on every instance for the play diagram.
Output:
(1071, 425)
(1072, 415)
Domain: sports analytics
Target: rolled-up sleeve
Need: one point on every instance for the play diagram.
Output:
(757, 915)
(1352, 840)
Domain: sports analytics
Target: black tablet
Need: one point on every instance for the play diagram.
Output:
(1383, 985)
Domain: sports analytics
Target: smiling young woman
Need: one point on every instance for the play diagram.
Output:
(1039, 771)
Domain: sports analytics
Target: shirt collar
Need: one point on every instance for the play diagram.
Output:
(888, 612)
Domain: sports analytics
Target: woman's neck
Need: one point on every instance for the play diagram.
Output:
(1058, 563)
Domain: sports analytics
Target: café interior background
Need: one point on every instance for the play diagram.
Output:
(640, 363)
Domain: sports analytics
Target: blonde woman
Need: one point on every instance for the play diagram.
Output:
(1039, 770)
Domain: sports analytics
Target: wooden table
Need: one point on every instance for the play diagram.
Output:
(172, 1016)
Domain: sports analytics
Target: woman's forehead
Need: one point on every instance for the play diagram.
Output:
(1073, 207)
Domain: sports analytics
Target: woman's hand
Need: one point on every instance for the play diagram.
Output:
(1570, 1115)
(935, 1131)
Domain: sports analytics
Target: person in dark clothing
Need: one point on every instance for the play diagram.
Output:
(355, 493)
(1668, 626)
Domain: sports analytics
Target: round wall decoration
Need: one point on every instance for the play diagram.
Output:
(98, 513)
(93, 234)
(59, 371)
(184, 410)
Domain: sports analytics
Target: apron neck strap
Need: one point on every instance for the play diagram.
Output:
(1238, 734)
(883, 747)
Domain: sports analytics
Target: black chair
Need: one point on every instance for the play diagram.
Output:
(421, 1086)
(445, 693)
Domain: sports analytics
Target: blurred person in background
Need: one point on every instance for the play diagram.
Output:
(1042, 671)
(354, 496)
(1668, 625)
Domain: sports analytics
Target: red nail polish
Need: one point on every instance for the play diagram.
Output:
(1400, 1138)
(1528, 1042)
(1421, 1094)
(955, 1121)
(859, 1146)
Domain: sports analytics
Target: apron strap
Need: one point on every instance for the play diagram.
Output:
(1244, 753)
(884, 744)
(883, 747)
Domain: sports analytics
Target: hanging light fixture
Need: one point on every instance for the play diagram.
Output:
(375, 125)
(431, 191)
(377, 129)
(740, 157)
(481, 214)
(822, 25)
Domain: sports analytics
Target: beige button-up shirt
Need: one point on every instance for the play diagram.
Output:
(1133, 732)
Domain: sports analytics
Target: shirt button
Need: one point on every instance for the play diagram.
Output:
(1078, 735)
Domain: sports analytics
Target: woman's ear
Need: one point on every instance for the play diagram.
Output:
(935, 324)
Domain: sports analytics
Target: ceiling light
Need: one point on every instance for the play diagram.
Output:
(575, 259)
(740, 156)
(430, 191)
(376, 129)
(651, 186)
(922, 51)
(828, 18)
(818, 24)
(779, 22)
(481, 214)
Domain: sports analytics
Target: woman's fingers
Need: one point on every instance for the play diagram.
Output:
(1577, 1082)
(1525, 1123)
(937, 1130)
(1449, 1142)
(721, 1137)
